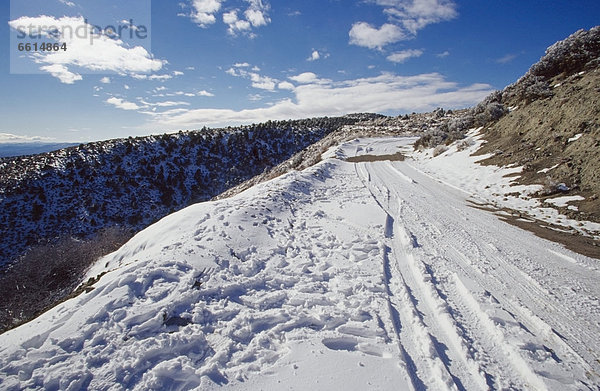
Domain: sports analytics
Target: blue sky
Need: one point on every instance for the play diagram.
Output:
(227, 62)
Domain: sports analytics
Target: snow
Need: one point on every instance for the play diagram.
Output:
(374, 275)
(564, 200)
(492, 185)
(575, 138)
(546, 170)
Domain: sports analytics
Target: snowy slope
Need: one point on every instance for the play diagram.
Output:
(342, 276)
(495, 186)
(133, 182)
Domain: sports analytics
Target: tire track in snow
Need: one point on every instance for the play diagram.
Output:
(481, 346)
(394, 302)
(466, 372)
(406, 319)
(393, 305)
(527, 312)
(553, 341)
(525, 302)
(514, 287)
(418, 315)
(444, 320)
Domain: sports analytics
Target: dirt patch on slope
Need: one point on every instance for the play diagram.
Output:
(573, 241)
(396, 157)
(557, 141)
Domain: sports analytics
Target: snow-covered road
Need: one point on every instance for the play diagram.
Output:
(355, 276)
(501, 307)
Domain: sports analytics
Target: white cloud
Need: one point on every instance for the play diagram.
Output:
(105, 80)
(86, 48)
(383, 93)
(256, 15)
(285, 85)
(263, 82)
(506, 59)
(443, 54)
(258, 81)
(235, 24)
(159, 77)
(363, 34)
(6, 138)
(168, 103)
(62, 73)
(177, 73)
(171, 103)
(145, 105)
(203, 11)
(152, 77)
(205, 93)
(67, 3)
(414, 15)
(402, 56)
(230, 17)
(182, 93)
(314, 56)
(406, 18)
(239, 21)
(129, 24)
(305, 78)
(122, 104)
(167, 113)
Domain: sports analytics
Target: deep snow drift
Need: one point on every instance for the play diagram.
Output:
(367, 275)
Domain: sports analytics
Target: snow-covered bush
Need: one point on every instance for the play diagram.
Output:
(447, 132)
(460, 124)
(492, 112)
(489, 110)
(574, 54)
(570, 55)
(528, 89)
(431, 138)
(439, 112)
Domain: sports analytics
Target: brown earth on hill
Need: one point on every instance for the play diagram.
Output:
(556, 135)
(556, 140)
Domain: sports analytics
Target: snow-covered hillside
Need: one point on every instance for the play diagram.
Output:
(354, 276)
(133, 182)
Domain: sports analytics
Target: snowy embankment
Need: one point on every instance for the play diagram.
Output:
(494, 186)
(343, 276)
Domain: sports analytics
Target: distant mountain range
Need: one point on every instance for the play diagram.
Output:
(22, 149)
